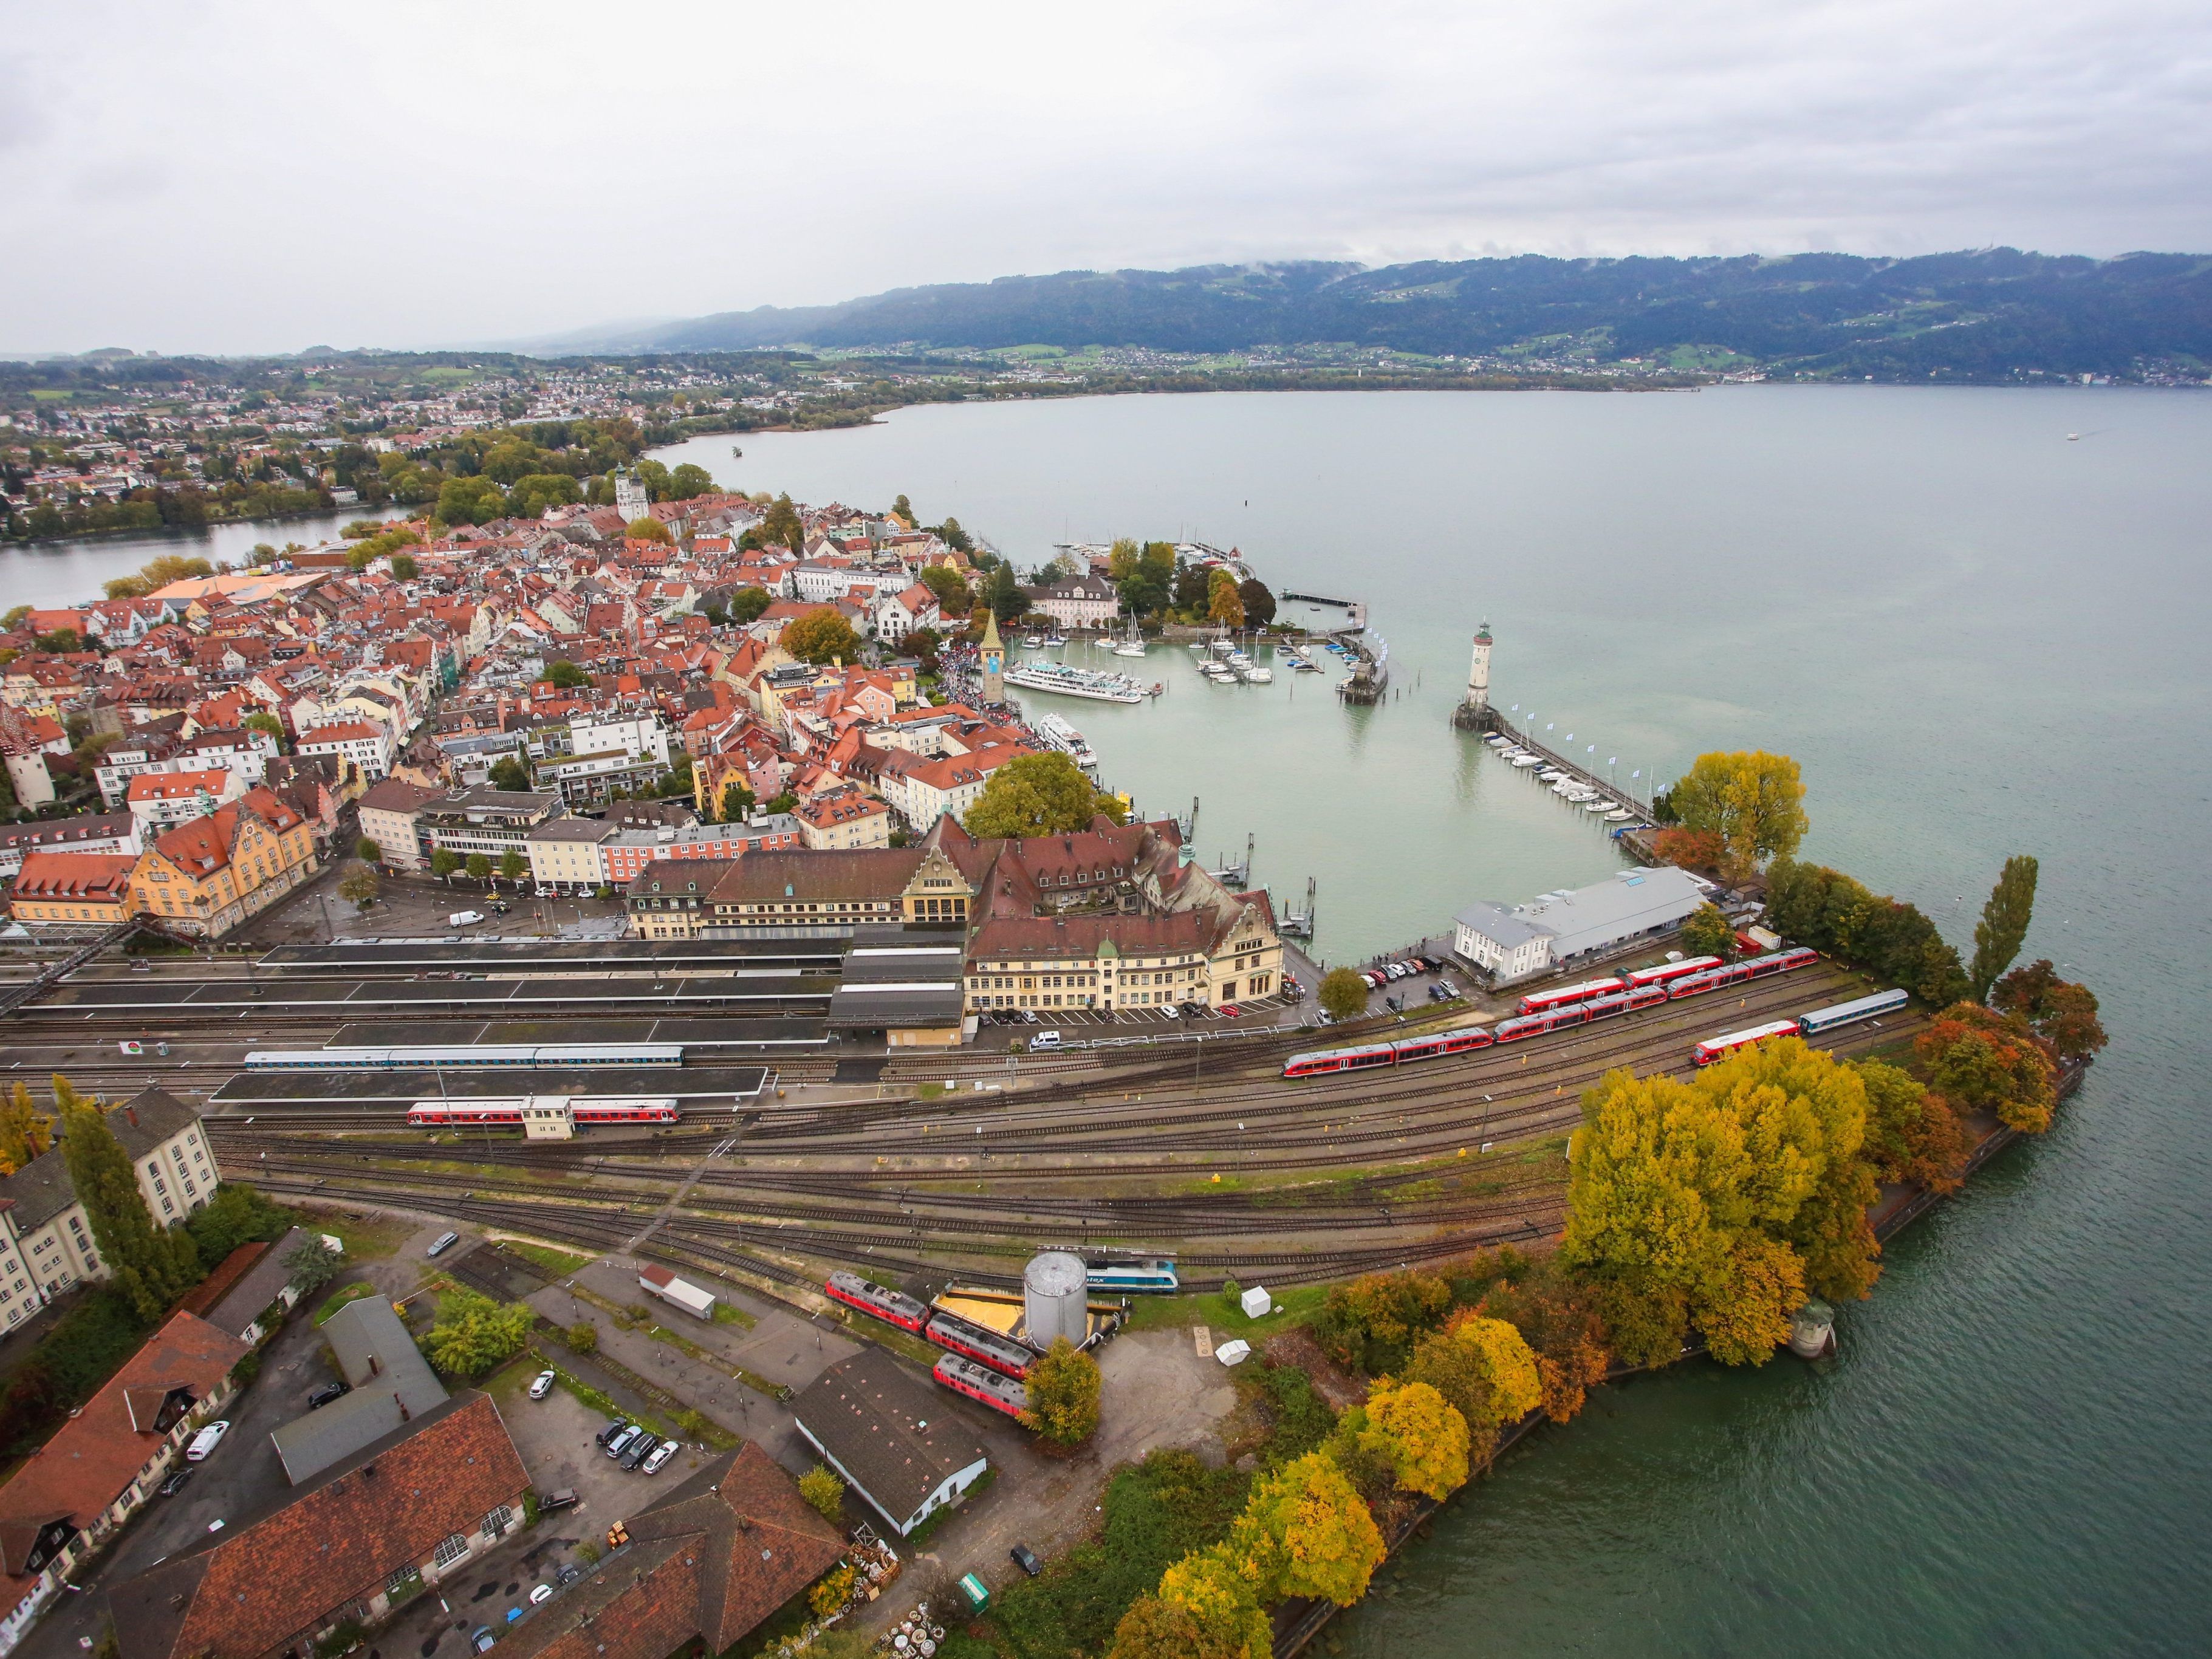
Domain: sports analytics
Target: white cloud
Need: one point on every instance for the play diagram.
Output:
(261, 176)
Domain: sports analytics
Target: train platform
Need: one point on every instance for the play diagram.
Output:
(296, 994)
(560, 956)
(750, 1031)
(365, 1090)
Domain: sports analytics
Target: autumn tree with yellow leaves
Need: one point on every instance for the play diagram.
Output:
(1306, 1531)
(1424, 1440)
(25, 1132)
(1752, 801)
(1484, 1368)
(1721, 1202)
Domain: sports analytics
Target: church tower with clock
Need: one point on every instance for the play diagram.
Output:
(993, 659)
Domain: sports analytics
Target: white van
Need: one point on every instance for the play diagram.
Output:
(206, 1440)
(1044, 1040)
(464, 918)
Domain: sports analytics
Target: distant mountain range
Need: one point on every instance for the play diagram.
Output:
(1988, 314)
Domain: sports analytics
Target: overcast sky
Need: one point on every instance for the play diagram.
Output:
(235, 176)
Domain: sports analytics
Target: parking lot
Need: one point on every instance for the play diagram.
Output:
(416, 907)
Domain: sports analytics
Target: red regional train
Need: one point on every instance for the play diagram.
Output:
(430, 1114)
(1001, 1394)
(1593, 1000)
(963, 1336)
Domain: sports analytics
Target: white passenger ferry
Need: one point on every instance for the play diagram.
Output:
(1065, 681)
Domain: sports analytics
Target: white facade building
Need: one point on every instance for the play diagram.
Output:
(1560, 929)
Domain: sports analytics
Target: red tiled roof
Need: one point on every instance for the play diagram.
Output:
(97, 1453)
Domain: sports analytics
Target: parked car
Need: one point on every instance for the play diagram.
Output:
(1397, 971)
(1025, 1558)
(662, 1454)
(606, 1436)
(622, 1442)
(637, 1451)
(565, 1498)
(206, 1440)
(541, 1595)
(568, 1574)
(175, 1483)
(482, 1639)
(541, 1385)
(1044, 1040)
(443, 1242)
(1230, 1010)
(328, 1392)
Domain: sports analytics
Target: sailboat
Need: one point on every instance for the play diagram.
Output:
(1134, 645)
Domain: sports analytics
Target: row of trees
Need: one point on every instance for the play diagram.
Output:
(1835, 913)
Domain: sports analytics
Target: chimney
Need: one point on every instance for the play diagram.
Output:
(405, 1416)
(131, 1112)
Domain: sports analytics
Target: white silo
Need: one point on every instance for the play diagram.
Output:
(1055, 1300)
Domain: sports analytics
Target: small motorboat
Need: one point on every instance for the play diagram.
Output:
(1032, 642)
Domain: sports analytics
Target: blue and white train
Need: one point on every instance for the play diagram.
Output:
(478, 1055)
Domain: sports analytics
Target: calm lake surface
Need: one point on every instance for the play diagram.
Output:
(1977, 638)
(71, 571)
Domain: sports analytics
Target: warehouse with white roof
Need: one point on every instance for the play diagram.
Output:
(1558, 930)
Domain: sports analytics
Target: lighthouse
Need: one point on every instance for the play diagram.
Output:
(1473, 711)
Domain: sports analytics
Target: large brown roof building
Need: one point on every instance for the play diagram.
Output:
(406, 1511)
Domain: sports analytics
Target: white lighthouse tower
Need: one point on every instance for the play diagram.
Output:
(1473, 710)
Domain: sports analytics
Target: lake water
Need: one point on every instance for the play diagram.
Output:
(1977, 638)
(62, 573)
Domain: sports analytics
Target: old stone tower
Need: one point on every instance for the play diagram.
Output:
(994, 659)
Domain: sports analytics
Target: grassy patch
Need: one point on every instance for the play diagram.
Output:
(367, 1238)
(603, 1404)
(1218, 1311)
(558, 1261)
(726, 1314)
(343, 1295)
(1156, 1512)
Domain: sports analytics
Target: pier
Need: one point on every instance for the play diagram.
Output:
(1357, 607)
(1489, 719)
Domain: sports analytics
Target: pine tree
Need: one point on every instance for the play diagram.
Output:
(152, 1267)
(2003, 927)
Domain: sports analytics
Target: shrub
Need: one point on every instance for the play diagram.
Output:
(824, 1492)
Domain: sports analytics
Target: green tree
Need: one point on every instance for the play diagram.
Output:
(1259, 601)
(1754, 801)
(1372, 1321)
(166, 568)
(564, 676)
(532, 494)
(902, 510)
(309, 1266)
(737, 802)
(508, 773)
(1063, 1387)
(1913, 1133)
(2062, 1014)
(949, 587)
(821, 636)
(25, 1132)
(922, 645)
(824, 1492)
(479, 866)
(651, 530)
(689, 481)
(473, 1334)
(955, 537)
(582, 1337)
(262, 720)
(444, 861)
(1003, 594)
(1046, 794)
(513, 866)
(151, 1266)
(358, 886)
(2003, 927)
(236, 1215)
(468, 501)
(1707, 933)
(747, 604)
(1343, 994)
(781, 526)
(404, 567)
